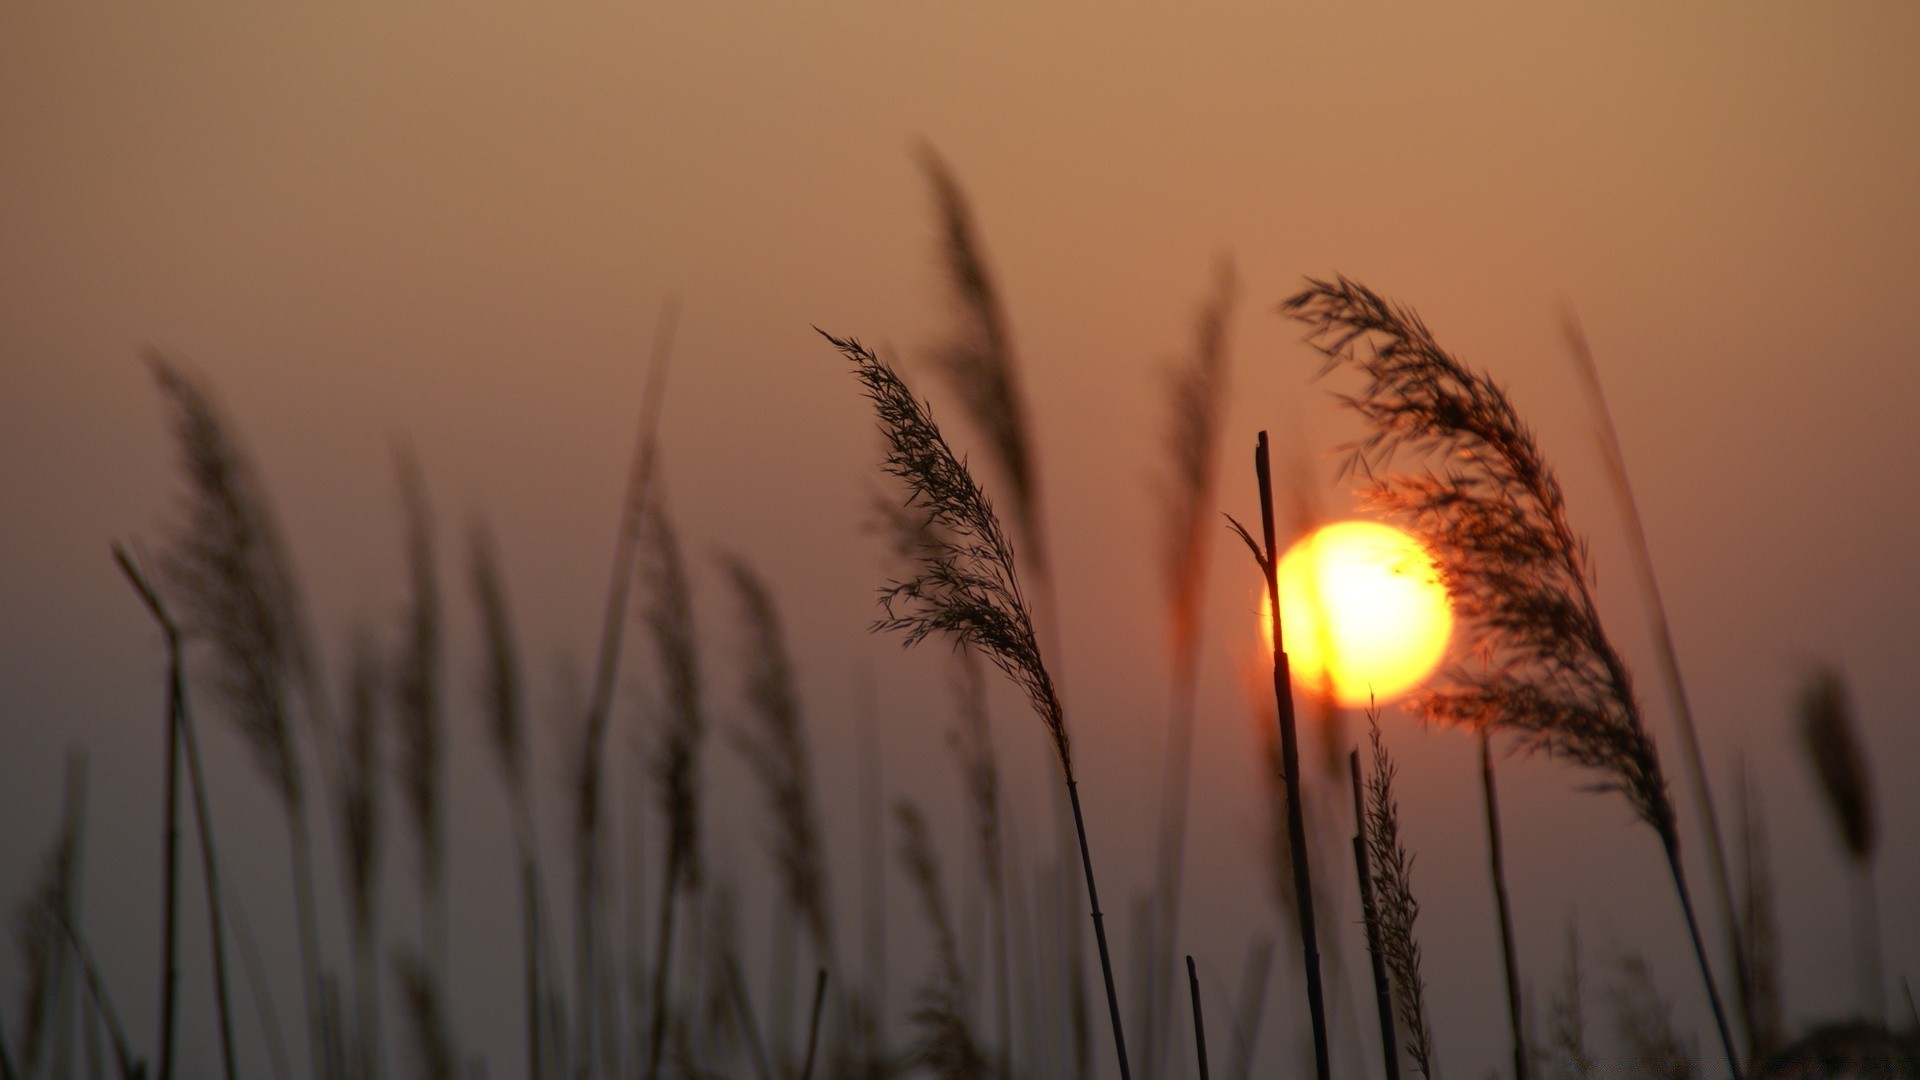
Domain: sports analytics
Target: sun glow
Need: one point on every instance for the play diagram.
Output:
(1363, 607)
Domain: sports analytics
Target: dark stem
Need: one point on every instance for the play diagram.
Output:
(1199, 1025)
(813, 1026)
(1099, 931)
(1382, 990)
(1622, 485)
(1497, 864)
(1290, 770)
(1866, 931)
(180, 736)
(1672, 845)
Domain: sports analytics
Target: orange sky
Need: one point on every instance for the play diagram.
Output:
(459, 224)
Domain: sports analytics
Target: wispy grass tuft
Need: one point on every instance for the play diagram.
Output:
(1492, 514)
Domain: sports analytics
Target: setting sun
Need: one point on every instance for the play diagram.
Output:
(1364, 600)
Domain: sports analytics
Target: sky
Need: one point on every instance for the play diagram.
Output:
(459, 226)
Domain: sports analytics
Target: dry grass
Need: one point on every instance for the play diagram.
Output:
(1394, 908)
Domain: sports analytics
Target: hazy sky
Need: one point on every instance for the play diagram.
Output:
(458, 224)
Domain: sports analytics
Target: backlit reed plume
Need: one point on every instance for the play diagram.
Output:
(236, 587)
(776, 749)
(669, 615)
(1493, 516)
(1196, 399)
(359, 807)
(502, 697)
(1394, 907)
(1831, 740)
(417, 706)
(945, 1043)
(966, 588)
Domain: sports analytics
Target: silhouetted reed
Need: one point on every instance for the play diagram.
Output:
(360, 820)
(945, 1043)
(230, 570)
(1494, 519)
(669, 615)
(1503, 909)
(1196, 399)
(417, 679)
(776, 750)
(967, 589)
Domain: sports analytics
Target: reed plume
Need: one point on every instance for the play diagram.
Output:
(360, 820)
(776, 750)
(669, 615)
(1831, 740)
(1495, 520)
(237, 589)
(946, 1044)
(966, 588)
(502, 697)
(1394, 907)
(1196, 397)
(417, 710)
(977, 360)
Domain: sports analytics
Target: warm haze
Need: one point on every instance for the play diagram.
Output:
(456, 228)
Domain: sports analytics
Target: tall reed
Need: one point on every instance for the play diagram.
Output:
(1266, 553)
(946, 1044)
(183, 741)
(502, 697)
(967, 589)
(1656, 609)
(1196, 397)
(230, 569)
(669, 614)
(417, 678)
(360, 821)
(627, 538)
(1496, 522)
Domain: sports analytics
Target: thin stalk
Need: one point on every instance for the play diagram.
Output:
(813, 1026)
(1199, 1025)
(180, 738)
(1382, 990)
(1616, 466)
(1497, 865)
(1269, 560)
(1099, 931)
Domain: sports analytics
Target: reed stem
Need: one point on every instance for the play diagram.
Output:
(1199, 1025)
(1497, 865)
(1672, 845)
(1099, 931)
(1290, 763)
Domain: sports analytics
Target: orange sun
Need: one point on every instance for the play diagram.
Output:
(1364, 612)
